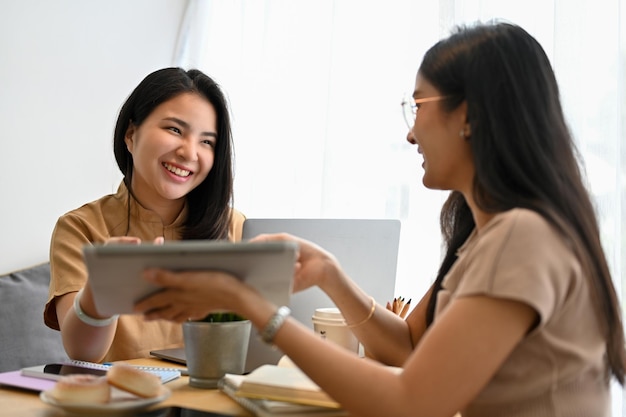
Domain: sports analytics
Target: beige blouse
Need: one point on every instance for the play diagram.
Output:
(559, 368)
(96, 222)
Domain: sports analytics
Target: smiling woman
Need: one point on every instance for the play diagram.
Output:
(173, 144)
(180, 134)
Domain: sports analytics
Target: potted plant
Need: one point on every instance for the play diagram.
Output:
(214, 346)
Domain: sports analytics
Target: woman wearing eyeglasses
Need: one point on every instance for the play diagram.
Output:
(523, 318)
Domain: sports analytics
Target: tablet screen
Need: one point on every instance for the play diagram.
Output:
(115, 271)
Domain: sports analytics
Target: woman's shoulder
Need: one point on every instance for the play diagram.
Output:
(519, 255)
(237, 215)
(519, 221)
(106, 205)
(101, 204)
(522, 215)
(523, 232)
(235, 230)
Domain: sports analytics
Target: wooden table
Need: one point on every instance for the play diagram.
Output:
(22, 403)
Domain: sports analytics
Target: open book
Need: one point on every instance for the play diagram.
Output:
(272, 390)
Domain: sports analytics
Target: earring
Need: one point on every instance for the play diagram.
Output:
(462, 133)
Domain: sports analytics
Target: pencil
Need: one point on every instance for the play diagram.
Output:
(400, 305)
(405, 309)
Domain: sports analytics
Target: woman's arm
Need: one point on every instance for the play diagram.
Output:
(384, 335)
(449, 367)
(83, 341)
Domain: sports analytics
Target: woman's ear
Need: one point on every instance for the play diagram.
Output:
(466, 130)
(128, 137)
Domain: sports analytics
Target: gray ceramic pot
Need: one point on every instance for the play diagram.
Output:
(214, 349)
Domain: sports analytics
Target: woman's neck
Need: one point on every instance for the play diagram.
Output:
(167, 210)
(481, 217)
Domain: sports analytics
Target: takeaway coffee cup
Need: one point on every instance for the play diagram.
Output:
(329, 324)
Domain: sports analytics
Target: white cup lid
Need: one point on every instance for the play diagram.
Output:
(328, 313)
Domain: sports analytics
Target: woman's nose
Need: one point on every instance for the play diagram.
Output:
(410, 138)
(187, 150)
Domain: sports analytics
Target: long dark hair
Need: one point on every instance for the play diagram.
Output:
(523, 152)
(209, 203)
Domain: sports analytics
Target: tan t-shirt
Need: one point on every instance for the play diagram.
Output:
(96, 222)
(559, 368)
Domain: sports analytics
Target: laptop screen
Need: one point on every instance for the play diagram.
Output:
(367, 250)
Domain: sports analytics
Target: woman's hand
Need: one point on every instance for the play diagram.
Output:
(314, 265)
(190, 294)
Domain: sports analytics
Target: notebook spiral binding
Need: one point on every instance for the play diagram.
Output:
(166, 374)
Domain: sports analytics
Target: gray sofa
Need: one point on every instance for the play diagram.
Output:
(24, 338)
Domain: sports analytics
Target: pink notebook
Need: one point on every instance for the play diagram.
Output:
(16, 379)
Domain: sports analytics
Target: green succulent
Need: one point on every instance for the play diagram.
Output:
(222, 317)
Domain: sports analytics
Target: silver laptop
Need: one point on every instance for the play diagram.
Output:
(366, 248)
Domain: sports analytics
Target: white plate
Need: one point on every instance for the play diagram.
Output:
(121, 402)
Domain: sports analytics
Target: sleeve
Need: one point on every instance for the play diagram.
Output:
(522, 258)
(68, 272)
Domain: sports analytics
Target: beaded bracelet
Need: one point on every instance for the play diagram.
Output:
(85, 318)
(274, 324)
(369, 316)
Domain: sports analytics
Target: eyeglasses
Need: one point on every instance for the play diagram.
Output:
(410, 106)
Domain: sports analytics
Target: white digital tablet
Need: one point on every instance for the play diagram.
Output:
(115, 270)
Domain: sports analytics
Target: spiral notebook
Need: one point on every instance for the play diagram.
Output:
(55, 371)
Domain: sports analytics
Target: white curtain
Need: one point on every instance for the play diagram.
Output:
(315, 89)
